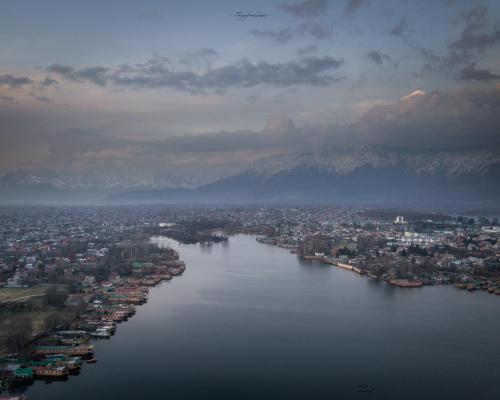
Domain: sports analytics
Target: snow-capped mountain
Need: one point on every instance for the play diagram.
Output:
(370, 175)
(343, 161)
(362, 175)
(29, 186)
(339, 175)
(95, 179)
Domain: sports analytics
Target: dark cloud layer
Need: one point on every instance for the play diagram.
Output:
(470, 72)
(475, 15)
(474, 39)
(307, 8)
(47, 82)
(479, 34)
(97, 75)
(307, 50)
(400, 29)
(456, 119)
(378, 57)
(14, 82)
(158, 74)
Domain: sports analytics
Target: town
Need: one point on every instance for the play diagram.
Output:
(421, 249)
(70, 275)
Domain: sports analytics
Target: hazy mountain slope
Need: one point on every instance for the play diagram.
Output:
(361, 175)
(44, 186)
(370, 175)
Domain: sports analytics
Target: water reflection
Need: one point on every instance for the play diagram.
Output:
(253, 321)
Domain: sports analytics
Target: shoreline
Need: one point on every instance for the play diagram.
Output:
(400, 283)
(60, 353)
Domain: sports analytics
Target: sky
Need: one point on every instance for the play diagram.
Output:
(209, 87)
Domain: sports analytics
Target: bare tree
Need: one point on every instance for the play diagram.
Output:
(18, 331)
(56, 297)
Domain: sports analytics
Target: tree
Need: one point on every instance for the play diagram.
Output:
(51, 322)
(56, 297)
(18, 332)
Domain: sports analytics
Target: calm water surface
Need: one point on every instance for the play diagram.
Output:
(248, 320)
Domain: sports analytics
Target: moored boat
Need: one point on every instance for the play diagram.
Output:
(71, 350)
(50, 372)
(22, 375)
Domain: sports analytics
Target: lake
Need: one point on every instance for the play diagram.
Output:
(252, 321)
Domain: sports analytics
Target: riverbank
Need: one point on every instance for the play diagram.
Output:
(488, 286)
(61, 353)
(253, 321)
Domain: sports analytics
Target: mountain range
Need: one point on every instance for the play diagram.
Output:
(370, 175)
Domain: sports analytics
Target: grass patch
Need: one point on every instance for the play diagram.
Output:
(18, 294)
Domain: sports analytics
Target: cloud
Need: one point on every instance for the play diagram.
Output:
(470, 72)
(14, 82)
(432, 60)
(472, 39)
(205, 55)
(378, 57)
(283, 35)
(463, 118)
(251, 99)
(47, 82)
(278, 98)
(317, 30)
(307, 50)
(476, 36)
(314, 71)
(353, 6)
(8, 99)
(97, 75)
(307, 8)
(475, 15)
(401, 29)
(46, 137)
(479, 33)
(43, 99)
(417, 92)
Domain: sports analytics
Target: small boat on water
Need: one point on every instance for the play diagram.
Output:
(104, 334)
(71, 350)
(50, 372)
(92, 360)
(22, 375)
